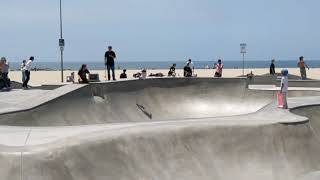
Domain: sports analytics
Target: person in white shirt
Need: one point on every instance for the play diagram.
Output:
(190, 64)
(23, 64)
(284, 88)
(27, 69)
(188, 69)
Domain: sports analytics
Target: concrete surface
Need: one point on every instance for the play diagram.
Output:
(199, 129)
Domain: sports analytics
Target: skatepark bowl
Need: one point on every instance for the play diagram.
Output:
(164, 129)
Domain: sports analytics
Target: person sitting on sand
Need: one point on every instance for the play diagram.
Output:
(302, 65)
(219, 67)
(143, 74)
(137, 75)
(83, 71)
(172, 71)
(123, 75)
(250, 75)
(156, 75)
(272, 67)
(187, 71)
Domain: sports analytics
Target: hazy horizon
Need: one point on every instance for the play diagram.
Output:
(167, 30)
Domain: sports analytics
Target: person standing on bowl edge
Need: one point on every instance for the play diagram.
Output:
(219, 68)
(272, 67)
(284, 88)
(109, 62)
(302, 65)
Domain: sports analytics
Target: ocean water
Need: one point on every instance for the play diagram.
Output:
(165, 65)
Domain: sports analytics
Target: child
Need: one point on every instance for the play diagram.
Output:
(284, 88)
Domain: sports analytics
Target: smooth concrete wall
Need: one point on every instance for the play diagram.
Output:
(242, 149)
(145, 100)
(186, 151)
(148, 101)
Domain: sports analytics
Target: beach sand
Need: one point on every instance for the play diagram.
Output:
(54, 77)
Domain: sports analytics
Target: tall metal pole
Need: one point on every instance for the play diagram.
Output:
(243, 64)
(61, 37)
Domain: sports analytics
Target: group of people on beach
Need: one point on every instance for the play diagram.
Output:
(188, 69)
(109, 62)
(5, 83)
(109, 58)
(301, 64)
(284, 85)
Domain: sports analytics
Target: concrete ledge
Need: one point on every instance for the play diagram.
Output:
(24, 100)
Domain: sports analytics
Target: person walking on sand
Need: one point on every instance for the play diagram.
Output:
(109, 62)
(302, 65)
(27, 69)
(23, 64)
(284, 88)
(272, 67)
(219, 68)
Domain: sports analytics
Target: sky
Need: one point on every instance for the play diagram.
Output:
(163, 30)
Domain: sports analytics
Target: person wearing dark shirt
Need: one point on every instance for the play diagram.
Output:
(172, 71)
(123, 75)
(83, 71)
(109, 62)
(187, 71)
(272, 67)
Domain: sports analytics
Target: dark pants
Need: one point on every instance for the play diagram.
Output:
(111, 67)
(25, 83)
(303, 73)
(84, 79)
(6, 80)
(217, 74)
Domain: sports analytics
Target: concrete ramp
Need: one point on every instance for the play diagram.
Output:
(202, 150)
(146, 101)
(163, 129)
(150, 100)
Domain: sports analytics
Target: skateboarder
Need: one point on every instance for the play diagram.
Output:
(284, 88)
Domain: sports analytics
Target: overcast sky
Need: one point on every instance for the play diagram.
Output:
(162, 30)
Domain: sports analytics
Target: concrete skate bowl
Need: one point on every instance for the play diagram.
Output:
(147, 101)
(202, 150)
(172, 145)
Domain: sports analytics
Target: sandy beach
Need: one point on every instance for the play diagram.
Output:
(53, 77)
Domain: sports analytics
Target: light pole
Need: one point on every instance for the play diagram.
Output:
(243, 51)
(61, 42)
